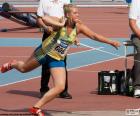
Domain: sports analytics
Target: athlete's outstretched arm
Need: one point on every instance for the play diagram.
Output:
(89, 33)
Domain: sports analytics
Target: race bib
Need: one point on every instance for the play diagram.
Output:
(61, 47)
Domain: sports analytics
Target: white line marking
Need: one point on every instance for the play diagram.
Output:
(101, 50)
(68, 70)
(68, 54)
(18, 81)
(95, 63)
(86, 51)
(72, 68)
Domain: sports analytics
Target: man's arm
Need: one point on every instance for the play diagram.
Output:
(41, 23)
(45, 21)
(134, 27)
(53, 21)
(133, 17)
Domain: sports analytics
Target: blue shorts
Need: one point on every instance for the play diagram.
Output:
(46, 59)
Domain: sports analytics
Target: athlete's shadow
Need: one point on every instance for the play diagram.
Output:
(25, 93)
(19, 112)
(25, 111)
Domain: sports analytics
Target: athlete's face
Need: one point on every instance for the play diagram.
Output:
(73, 14)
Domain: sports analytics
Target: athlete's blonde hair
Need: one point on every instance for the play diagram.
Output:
(67, 8)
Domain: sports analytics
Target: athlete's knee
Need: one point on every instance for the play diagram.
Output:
(60, 87)
(23, 69)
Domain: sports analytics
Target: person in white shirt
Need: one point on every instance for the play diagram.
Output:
(51, 8)
(134, 22)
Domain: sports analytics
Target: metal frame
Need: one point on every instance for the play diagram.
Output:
(127, 44)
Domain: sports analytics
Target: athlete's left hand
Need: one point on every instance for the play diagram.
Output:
(116, 44)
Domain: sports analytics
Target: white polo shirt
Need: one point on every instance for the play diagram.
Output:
(51, 8)
(134, 12)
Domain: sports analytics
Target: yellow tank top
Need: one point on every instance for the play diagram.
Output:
(58, 43)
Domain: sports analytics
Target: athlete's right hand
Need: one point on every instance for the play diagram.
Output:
(62, 21)
(48, 29)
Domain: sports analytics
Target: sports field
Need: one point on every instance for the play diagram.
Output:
(20, 91)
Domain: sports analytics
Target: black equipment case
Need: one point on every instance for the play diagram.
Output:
(107, 82)
(115, 82)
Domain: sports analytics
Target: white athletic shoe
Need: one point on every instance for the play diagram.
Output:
(137, 93)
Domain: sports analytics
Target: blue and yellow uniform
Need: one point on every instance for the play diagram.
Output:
(54, 48)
